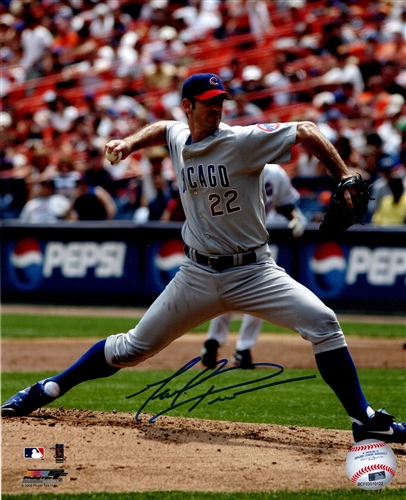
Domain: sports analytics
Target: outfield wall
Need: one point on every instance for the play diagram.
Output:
(119, 263)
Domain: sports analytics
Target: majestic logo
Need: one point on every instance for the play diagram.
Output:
(26, 264)
(214, 81)
(268, 127)
(327, 270)
(34, 452)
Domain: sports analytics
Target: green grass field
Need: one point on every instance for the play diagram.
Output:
(392, 494)
(278, 404)
(18, 326)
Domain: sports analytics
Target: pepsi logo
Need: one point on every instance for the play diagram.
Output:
(25, 259)
(170, 255)
(327, 270)
(168, 259)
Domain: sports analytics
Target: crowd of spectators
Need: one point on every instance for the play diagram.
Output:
(76, 73)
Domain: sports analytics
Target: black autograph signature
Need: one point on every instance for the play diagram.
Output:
(163, 391)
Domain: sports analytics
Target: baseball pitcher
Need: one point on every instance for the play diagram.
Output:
(228, 265)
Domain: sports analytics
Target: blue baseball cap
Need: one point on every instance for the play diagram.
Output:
(202, 86)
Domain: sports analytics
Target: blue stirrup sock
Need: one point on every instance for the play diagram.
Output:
(338, 370)
(90, 366)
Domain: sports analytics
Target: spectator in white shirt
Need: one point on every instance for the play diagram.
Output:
(35, 41)
(278, 77)
(103, 21)
(389, 133)
(47, 207)
(346, 70)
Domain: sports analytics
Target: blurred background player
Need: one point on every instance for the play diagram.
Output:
(281, 207)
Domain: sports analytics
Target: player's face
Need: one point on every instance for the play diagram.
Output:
(206, 115)
(211, 109)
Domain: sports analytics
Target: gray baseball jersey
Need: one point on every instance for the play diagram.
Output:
(279, 192)
(223, 195)
(221, 183)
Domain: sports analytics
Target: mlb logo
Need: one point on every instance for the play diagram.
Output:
(377, 476)
(34, 452)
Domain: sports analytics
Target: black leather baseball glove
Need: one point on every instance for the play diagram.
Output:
(339, 216)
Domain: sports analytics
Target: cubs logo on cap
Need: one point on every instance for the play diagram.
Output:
(204, 86)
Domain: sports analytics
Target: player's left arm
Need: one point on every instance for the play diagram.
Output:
(310, 136)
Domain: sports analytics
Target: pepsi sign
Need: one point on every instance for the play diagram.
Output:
(334, 271)
(382, 266)
(76, 258)
(32, 262)
(127, 265)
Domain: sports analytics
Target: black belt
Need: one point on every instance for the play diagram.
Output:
(221, 262)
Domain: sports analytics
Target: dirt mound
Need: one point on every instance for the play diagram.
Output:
(113, 452)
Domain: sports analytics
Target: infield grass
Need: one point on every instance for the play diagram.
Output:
(309, 403)
(25, 326)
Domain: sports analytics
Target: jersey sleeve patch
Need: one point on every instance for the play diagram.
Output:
(269, 127)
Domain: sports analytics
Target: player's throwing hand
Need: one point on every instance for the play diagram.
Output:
(116, 150)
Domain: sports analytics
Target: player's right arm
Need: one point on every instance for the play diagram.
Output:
(153, 134)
